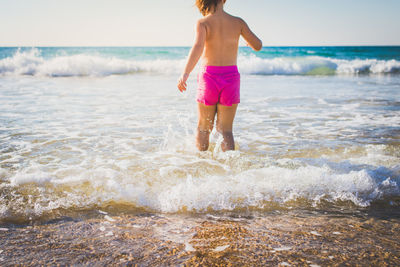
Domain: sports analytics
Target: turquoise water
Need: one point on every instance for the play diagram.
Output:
(103, 61)
(348, 52)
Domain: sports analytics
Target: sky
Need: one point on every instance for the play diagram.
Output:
(171, 22)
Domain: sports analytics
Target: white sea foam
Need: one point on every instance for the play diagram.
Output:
(256, 188)
(32, 63)
(38, 177)
(316, 65)
(276, 184)
(367, 66)
(283, 66)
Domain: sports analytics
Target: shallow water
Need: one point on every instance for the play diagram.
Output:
(70, 144)
(299, 239)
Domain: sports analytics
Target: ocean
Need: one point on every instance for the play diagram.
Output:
(97, 149)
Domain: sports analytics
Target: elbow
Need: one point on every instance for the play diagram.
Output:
(259, 46)
(198, 48)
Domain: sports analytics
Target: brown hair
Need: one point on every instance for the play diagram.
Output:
(207, 6)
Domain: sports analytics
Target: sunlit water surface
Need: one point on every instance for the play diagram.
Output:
(126, 142)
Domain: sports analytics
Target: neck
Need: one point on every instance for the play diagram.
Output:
(219, 8)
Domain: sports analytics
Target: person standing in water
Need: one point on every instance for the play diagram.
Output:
(218, 93)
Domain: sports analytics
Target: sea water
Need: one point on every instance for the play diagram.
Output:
(99, 128)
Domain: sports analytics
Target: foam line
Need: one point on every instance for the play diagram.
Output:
(32, 63)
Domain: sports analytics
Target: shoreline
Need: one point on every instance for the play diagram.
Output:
(218, 240)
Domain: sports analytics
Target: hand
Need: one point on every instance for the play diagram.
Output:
(182, 82)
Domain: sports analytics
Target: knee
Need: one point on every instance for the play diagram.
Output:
(223, 129)
(203, 132)
(205, 127)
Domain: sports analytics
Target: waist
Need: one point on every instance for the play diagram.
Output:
(220, 69)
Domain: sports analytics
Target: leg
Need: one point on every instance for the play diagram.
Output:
(225, 117)
(205, 125)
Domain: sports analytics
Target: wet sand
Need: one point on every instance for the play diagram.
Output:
(205, 240)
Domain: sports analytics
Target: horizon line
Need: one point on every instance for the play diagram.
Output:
(185, 46)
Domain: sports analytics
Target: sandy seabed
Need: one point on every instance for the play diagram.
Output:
(205, 240)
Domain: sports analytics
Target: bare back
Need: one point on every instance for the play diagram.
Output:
(222, 39)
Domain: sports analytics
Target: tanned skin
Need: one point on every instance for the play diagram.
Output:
(217, 43)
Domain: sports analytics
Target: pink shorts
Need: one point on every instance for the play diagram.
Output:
(219, 84)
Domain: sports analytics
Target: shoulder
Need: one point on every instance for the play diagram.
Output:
(201, 23)
(236, 19)
(201, 26)
(242, 24)
(241, 21)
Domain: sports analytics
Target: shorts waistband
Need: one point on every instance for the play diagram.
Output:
(220, 69)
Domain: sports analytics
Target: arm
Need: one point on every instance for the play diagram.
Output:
(194, 55)
(252, 40)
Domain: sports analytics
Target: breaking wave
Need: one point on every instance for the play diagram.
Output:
(284, 183)
(31, 62)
